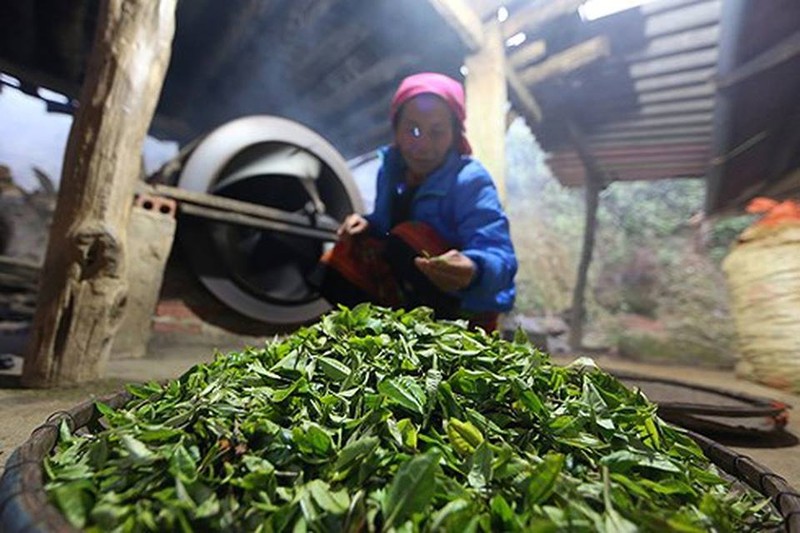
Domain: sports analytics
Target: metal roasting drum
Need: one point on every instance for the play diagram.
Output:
(261, 271)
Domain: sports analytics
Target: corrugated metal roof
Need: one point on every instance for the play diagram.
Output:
(675, 88)
(646, 110)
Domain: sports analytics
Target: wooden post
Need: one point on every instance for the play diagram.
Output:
(595, 179)
(487, 104)
(83, 287)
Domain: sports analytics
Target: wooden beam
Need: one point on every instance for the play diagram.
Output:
(523, 55)
(595, 182)
(384, 71)
(522, 98)
(84, 282)
(336, 45)
(787, 147)
(40, 78)
(533, 15)
(379, 134)
(461, 17)
(487, 96)
(486, 9)
(350, 125)
(567, 61)
(785, 50)
(238, 30)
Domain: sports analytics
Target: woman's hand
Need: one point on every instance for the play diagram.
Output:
(450, 271)
(353, 225)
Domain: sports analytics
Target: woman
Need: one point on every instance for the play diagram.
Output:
(438, 235)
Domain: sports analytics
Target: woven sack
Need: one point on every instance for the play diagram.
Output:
(763, 274)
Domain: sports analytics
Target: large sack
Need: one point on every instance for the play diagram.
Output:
(763, 273)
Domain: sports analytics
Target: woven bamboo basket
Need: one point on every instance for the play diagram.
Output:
(763, 273)
(24, 506)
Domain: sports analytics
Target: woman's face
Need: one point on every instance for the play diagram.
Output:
(424, 133)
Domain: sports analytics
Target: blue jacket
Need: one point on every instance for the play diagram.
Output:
(459, 200)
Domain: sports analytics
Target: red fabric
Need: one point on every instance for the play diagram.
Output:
(442, 86)
(487, 321)
(775, 212)
(421, 237)
(361, 261)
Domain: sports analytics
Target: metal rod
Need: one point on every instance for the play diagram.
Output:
(220, 203)
(240, 219)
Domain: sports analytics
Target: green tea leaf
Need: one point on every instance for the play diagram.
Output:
(335, 502)
(354, 452)
(543, 479)
(335, 370)
(404, 391)
(412, 488)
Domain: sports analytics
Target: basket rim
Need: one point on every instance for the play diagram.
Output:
(24, 505)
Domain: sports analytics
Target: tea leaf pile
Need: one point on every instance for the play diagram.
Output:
(379, 420)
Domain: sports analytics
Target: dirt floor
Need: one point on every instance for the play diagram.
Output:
(23, 410)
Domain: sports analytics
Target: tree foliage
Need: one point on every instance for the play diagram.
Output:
(655, 252)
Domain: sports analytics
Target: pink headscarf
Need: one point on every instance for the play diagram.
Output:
(442, 86)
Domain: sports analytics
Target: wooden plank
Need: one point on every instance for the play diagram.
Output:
(564, 62)
(666, 167)
(598, 143)
(647, 123)
(384, 71)
(637, 163)
(675, 108)
(522, 98)
(523, 55)
(487, 95)
(787, 147)
(379, 133)
(647, 149)
(626, 155)
(351, 123)
(686, 41)
(533, 15)
(676, 63)
(336, 45)
(673, 80)
(239, 30)
(653, 134)
(84, 285)
(785, 50)
(578, 179)
(703, 90)
(694, 15)
(461, 17)
(651, 8)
